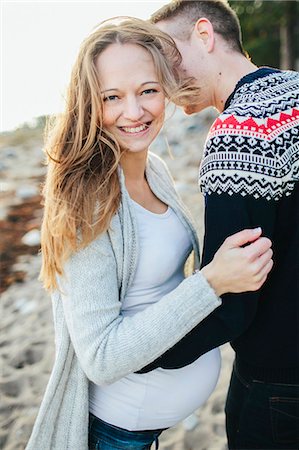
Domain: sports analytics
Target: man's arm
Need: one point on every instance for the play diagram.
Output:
(250, 162)
(225, 214)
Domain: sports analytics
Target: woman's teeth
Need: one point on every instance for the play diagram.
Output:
(135, 130)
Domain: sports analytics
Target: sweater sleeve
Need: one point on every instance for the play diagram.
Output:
(250, 163)
(225, 214)
(241, 191)
(109, 345)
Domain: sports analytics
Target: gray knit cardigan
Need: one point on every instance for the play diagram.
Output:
(93, 340)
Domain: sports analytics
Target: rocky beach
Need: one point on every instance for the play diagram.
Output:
(26, 339)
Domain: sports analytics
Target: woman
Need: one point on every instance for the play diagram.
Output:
(115, 238)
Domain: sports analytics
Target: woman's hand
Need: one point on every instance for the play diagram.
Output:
(236, 268)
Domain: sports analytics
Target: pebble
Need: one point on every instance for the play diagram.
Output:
(27, 191)
(10, 152)
(25, 306)
(190, 422)
(5, 186)
(31, 238)
(3, 166)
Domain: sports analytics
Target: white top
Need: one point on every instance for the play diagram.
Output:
(161, 398)
(164, 246)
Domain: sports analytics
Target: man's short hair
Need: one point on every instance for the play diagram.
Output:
(186, 12)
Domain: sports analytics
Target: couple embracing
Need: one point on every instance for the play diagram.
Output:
(137, 340)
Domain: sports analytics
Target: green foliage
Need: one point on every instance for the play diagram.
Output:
(261, 23)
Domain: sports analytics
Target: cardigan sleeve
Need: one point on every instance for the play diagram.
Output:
(109, 345)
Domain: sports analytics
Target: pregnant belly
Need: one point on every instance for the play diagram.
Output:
(158, 399)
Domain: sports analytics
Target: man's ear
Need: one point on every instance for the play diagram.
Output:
(204, 30)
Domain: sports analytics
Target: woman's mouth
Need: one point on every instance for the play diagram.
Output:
(135, 130)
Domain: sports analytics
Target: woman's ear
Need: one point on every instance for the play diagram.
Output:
(205, 32)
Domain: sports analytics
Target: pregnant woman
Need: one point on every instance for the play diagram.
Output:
(115, 239)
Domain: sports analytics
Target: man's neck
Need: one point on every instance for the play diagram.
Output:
(235, 68)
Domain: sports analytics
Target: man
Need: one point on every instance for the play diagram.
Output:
(250, 177)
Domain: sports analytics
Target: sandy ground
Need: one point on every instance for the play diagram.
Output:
(26, 337)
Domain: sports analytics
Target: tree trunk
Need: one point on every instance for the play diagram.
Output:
(287, 35)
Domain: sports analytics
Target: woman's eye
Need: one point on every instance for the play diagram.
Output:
(110, 98)
(149, 91)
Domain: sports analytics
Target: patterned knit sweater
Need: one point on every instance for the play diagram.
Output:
(249, 175)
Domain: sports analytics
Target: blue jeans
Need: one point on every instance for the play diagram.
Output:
(261, 415)
(103, 436)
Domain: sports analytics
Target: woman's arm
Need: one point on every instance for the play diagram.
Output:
(109, 345)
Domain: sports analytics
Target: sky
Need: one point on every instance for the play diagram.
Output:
(39, 44)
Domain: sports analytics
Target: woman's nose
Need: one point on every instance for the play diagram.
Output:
(133, 109)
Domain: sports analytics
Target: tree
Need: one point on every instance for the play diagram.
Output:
(270, 31)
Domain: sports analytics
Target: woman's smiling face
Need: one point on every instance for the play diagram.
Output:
(134, 102)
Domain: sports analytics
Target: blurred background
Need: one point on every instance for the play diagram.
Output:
(39, 42)
(270, 31)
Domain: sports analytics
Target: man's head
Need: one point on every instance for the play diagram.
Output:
(180, 17)
(207, 33)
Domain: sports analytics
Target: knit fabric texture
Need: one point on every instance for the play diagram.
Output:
(249, 175)
(252, 147)
(93, 341)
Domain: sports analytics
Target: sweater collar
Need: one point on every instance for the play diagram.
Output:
(250, 78)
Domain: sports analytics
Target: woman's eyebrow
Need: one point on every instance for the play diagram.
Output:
(142, 84)
(149, 82)
(111, 89)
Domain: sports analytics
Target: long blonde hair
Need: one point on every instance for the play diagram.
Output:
(82, 191)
